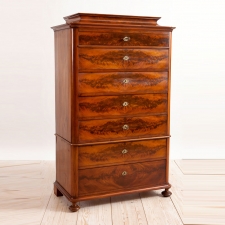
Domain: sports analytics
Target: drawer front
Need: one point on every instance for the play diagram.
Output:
(135, 127)
(133, 82)
(124, 39)
(92, 59)
(122, 105)
(115, 178)
(96, 155)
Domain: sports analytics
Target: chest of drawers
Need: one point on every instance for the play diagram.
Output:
(112, 82)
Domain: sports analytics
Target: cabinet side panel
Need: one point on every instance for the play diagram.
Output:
(169, 100)
(63, 164)
(63, 73)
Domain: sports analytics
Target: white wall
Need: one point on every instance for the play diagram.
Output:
(27, 72)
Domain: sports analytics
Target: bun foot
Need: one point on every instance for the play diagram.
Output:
(74, 207)
(166, 193)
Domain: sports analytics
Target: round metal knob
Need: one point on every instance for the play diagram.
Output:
(124, 173)
(125, 127)
(125, 81)
(125, 104)
(124, 151)
(126, 58)
(126, 38)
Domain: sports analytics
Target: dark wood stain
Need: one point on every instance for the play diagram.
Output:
(113, 153)
(114, 105)
(106, 179)
(96, 73)
(113, 128)
(63, 58)
(113, 59)
(63, 153)
(116, 39)
(140, 82)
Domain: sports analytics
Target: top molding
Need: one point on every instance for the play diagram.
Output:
(87, 19)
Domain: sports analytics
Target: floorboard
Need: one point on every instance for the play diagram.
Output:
(128, 210)
(96, 211)
(57, 212)
(198, 198)
(202, 167)
(25, 190)
(159, 210)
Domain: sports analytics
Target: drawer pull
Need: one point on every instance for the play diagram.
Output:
(126, 38)
(126, 58)
(124, 173)
(125, 127)
(125, 81)
(124, 151)
(125, 104)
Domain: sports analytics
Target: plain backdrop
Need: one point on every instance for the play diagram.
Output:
(27, 121)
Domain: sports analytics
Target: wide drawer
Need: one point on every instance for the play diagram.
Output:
(151, 59)
(133, 82)
(122, 128)
(124, 39)
(96, 155)
(122, 105)
(126, 177)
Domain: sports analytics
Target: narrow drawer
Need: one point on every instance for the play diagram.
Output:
(122, 105)
(134, 82)
(124, 39)
(126, 177)
(93, 59)
(96, 155)
(121, 128)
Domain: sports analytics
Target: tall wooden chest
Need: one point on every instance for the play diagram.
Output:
(112, 84)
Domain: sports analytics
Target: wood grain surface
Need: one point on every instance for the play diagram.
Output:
(63, 164)
(109, 129)
(160, 211)
(25, 189)
(91, 84)
(115, 178)
(122, 105)
(131, 39)
(27, 197)
(96, 211)
(128, 209)
(63, 73)
(112, 86)
(112, 20)
(95, 155)
(93, 59)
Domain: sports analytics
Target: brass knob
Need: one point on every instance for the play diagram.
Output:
(125, 104)
(125, 127)
(125, 81)
(124, 151)
(124, 173)
(126, 38)
(126, 58)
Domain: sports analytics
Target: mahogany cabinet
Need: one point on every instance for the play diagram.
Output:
(112, 85)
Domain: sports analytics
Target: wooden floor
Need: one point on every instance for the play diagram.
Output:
(26, 197)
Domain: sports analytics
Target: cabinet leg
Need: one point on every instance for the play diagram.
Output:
(57, 192)
(74, 207)
(166, 193)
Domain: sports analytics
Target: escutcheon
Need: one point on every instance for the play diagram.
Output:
(126, 38)
(124, 151)
(126, 58)
(125, 127)
(124, 173)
